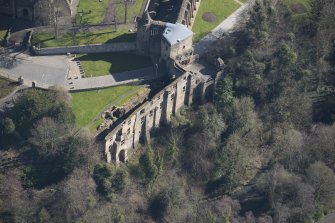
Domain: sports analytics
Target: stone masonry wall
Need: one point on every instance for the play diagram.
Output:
(136, 127)
(91, 48)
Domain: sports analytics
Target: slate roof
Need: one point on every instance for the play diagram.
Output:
(175, 33)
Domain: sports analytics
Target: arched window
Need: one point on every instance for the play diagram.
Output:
(25, 12)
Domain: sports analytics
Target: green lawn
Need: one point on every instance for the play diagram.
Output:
(220, 8)
(97, 13)
(133, 10)
(98, 64)
(2, 34)
(87, 105)
(80, 38)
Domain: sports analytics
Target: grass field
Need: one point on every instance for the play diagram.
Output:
(2, 34)
(93, 11)
(98, 64)
(133, 10)
(221, 9)
(80, 38)
(87, 105)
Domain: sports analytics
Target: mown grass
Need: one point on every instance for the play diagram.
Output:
(133, 10)
(73, 39)
(99, 64)
(220, 8)
(87, 105)
(2, 34)
(93, 11)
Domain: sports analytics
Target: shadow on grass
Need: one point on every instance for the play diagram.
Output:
(126, 37)
(119, 62)
(81, 38)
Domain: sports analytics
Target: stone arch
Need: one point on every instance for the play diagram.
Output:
(122, 155)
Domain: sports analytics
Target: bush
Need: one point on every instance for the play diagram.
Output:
(108, 182)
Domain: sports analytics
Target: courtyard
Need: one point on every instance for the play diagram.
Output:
(99, 64)
(210, 14)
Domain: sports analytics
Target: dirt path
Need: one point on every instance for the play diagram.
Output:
(238, 2)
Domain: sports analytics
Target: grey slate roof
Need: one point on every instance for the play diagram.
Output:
(175, 33)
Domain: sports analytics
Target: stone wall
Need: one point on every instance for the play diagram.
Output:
(91, 48)
(40, 12)
(187, 12)
(135, 127)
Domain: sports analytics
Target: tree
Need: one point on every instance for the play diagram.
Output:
(290, 199)
(196, 157)
(109, 182)
(287, 56)
(47, 137)
(244, 120)
(164, 202)
(152, 164)
(35, 104)
(289, 149)
(7, 126)
(231, 165)
(322, 178)
(223, 95)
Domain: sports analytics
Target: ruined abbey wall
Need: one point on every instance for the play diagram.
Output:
(41, 12)
(124, 138)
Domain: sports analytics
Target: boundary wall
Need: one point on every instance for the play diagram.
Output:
(91, 48)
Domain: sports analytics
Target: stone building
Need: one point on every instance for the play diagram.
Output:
(135, 127)
(163, 30)
(40, 12)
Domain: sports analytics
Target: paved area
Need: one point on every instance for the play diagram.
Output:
(330, 218)
(229, 23)
(49, 70)
(113, 79)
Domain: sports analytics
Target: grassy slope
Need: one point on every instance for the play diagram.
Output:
(88, 104)
(220, 8)
(2, 34)
(70, 39)
(105, 63)
(6, 87)
(97, 11)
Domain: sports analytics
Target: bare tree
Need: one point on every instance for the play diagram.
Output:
(322, 178)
